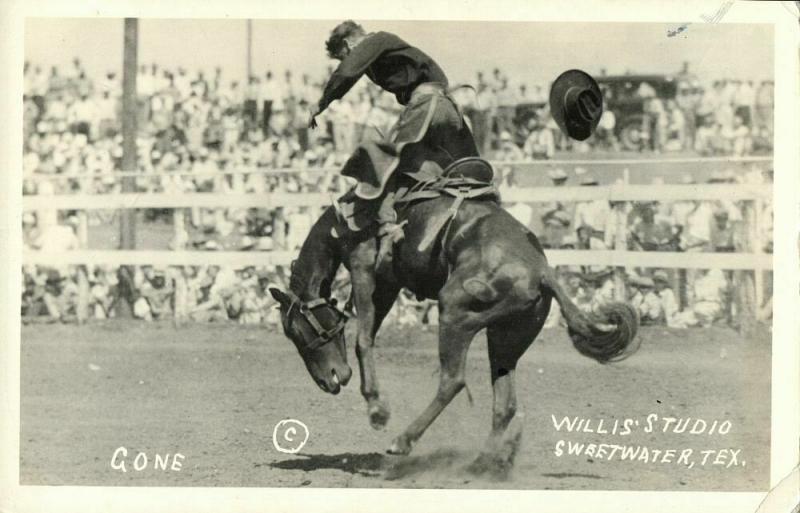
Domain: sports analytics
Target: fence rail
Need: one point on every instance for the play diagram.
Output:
(245, 170)
(620, 192)
(748, 258)
(239, 259)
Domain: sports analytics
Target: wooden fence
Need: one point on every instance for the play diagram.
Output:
(749, 257)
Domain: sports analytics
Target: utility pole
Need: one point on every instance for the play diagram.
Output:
(127, 236)
(127, 219)
(249, 50)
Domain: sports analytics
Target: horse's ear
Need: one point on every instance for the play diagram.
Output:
(279, 296)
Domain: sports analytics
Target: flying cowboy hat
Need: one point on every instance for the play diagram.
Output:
(576, 104)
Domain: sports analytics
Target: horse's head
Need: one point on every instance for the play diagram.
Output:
(317, 330)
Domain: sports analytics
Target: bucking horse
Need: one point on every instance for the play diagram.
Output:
(485, 269)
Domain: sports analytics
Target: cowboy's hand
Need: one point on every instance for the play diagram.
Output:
(312, 120)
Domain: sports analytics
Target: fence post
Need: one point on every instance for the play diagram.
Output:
(620, 245)
(179, 228)
(82, 308)
(758, 248)
(83, 229)
(130, 115)
(180, 297)
(745, 292)
(279, 229)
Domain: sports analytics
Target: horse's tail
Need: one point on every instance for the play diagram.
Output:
(607, 336)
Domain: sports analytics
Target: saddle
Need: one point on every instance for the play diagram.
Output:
(466, 174)
(465, 178)
(472, 168)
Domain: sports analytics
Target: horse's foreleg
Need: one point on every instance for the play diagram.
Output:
(456, 331)
(373, 300)
(453, 346)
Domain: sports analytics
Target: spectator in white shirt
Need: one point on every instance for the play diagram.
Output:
(289, 88)
(727, 91)
(508, 150)
(483, 119)
(57, 238)
(604, 136)
(145, 82)
(106, 115)
(111, 85)
(593, 214)
(343, 118)
(271, 99)
(737, 137)
(710, 292)
(656, 122)
(743, 100)
(522, 94)
(183, 83)
(82, 117)
(706, 136)
(676, 129)
(56, 111)
(540, 143)
(696, 234)
(669, 304)
(300, 221)
(764, 104)
(603, 284)
(200, 86)
(506, 107)
(645, 299)
(46, 217)
(724, 116)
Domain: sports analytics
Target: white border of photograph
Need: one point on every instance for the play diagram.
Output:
(784, 457)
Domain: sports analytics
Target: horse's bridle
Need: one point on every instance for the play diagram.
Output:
(306, 310)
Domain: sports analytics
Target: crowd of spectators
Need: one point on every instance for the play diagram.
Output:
(682, 298)
(204, 133)
(72, 123)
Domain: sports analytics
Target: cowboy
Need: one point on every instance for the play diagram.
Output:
(430, 130)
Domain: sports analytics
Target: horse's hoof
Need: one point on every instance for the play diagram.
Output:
(400, 446)
(378, 415)
(481, 465)
(493, 466)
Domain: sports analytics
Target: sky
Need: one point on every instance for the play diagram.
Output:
(525, 51)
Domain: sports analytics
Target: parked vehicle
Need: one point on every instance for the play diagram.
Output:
(626, 95)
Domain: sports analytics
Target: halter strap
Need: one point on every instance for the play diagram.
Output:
(306, 310)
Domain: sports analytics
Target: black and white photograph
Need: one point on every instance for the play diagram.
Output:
(364, 251)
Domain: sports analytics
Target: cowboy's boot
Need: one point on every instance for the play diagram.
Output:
(389, 232)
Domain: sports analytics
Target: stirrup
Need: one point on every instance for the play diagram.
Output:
(389, 234)
(394, 231)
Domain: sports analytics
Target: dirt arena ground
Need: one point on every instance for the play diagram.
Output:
(214, 393)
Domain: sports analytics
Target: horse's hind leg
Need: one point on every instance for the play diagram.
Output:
(507, 340)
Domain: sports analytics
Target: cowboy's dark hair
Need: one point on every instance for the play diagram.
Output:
(341, 32)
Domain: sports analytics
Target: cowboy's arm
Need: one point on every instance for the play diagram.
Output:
(352, 67)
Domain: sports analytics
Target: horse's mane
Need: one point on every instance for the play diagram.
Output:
(318, 260)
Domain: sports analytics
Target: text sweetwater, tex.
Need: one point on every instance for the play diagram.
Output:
(655, 424)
